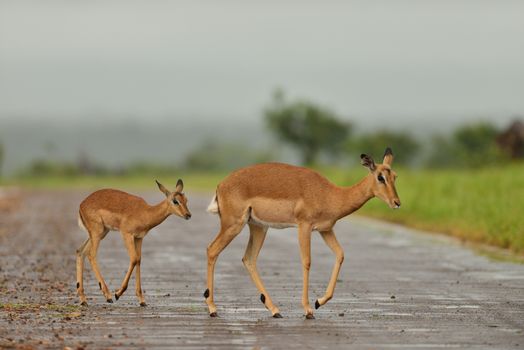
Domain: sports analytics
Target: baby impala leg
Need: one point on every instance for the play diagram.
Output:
(80, 257)
(129, 242)
(138, 249)
(332, 243)
(95, 242)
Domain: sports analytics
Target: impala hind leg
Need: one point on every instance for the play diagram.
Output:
(257, 234)
(304, 240)
(129, 242)
(332, 243)
(80, 257)
(91, 254)
(224, 237)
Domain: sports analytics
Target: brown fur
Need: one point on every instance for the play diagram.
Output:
(113, 210)
(281, 195)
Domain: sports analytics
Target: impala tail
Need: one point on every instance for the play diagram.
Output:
(213, 206)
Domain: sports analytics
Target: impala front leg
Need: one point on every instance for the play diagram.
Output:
(332, 243)
(130, 245)
(139, 294)
(304, 240)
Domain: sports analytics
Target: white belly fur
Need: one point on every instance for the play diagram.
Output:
(253, 219)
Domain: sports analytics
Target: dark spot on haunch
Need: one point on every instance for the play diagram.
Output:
(77, 285)
(263, 298)
(206, 294)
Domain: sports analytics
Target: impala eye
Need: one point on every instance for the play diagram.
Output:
(381, 178)
(175, 202)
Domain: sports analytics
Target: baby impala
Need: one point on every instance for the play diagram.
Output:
(113, 210)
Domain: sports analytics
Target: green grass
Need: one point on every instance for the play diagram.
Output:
(192, 181)
(32, 307)
(476, 205)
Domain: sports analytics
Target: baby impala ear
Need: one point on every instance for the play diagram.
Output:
(179, 185)
(367, 161)
(162, 188)
(388, 156)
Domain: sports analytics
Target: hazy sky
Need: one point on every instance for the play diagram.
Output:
(369, 60)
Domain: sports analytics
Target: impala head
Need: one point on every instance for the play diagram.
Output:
(383, 182)
(177, 200)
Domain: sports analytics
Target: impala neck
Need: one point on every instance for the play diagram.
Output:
(353, 197)
(158, 213)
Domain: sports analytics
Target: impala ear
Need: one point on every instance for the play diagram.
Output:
(162, 188)
(179, 185)
(368, 162)
(388, 156)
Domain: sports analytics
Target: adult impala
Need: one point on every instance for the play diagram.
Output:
(112, 210)
(279, 195)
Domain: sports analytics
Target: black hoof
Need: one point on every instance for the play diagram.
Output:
(277, 315)
(143, 304)
(110, 301)
(317, 304)
(116, 296)
(84, 303)
(310, 317)
(213, 314)
(206, 293)
(263, 299)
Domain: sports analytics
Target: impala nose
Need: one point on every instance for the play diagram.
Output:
(397, 203)
(188, 216)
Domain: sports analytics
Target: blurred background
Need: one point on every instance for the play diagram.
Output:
(117, 93)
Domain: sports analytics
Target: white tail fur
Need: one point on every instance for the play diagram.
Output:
(81, 224)
(213, 206)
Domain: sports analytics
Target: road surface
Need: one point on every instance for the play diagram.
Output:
(397, 288)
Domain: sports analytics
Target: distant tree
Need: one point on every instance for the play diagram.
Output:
(511, 140)
(472, 145)
(43, 167)
(308, 127)
(405, 147)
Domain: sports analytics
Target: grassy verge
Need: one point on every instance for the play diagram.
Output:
(193, 181)
(484, 206)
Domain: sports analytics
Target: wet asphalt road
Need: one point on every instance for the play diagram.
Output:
(396, 289)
